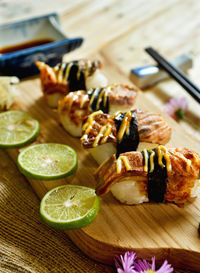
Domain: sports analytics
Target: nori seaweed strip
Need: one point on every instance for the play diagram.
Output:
(105, 108)
(97, 91)
(93, 105)
(75, 83)
(131, 141)
(157, 179)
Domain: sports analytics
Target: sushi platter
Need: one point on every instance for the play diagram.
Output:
(164, 230)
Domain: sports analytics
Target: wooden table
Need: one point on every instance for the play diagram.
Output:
(118, 31)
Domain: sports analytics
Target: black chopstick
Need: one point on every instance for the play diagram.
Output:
(175, 73)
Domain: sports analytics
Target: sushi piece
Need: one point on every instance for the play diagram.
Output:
(76, 106)
(105, 134)
(58, 81)
(160, 175)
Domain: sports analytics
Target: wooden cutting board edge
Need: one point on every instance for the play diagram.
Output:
(179, 258)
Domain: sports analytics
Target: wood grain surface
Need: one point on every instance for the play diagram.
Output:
(117, 32)
(163, 230)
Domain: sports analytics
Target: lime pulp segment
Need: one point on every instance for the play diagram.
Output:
(17, 128)
(69, 207)
(47, 161)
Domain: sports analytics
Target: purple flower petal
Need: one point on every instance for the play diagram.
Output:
(153, 266)
(125, 264)
(168, 109)
(183, 103)
(142, 266)
(174, 104)
(165, 268)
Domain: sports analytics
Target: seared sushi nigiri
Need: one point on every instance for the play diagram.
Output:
(76, 75)
(76, 106)
(106, 134)
(160, 175)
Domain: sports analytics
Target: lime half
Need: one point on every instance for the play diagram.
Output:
(17, 128)
(47, 161)
(69, 207)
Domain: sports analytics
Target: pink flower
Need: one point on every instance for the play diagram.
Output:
(142, 266)
(127, 264)
(174, 105)
(176, 108)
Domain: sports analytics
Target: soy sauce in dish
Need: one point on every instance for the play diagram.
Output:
(25, 45)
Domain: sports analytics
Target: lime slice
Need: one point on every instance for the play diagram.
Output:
(47, 161)
(17, 128)
(69, 207)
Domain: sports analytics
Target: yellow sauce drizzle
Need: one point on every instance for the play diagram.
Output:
(78, 74)
(145, 160)
(100, 98)
(124, 126)
(107, 133)
(61, 76)
(83, 100)
(160, 156)
(68, 71)
(188, 165)
(103, 95)
(168, 162)
(88, 68)
(100, 134)
(104, 132)
(89, 128)
(161, 152)
(88, 125)
(119, 163)
(116, 114)
(93, 96)
(151, 160)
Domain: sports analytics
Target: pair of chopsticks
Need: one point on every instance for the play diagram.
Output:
(175, 73)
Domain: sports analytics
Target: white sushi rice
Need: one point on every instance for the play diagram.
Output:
(52, 99)
(102, 152)
(119, 108)
(70, 127)
(128, 192)
(97, 79)
(196, 189)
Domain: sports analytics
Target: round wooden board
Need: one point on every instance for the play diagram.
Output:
(163, 230)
